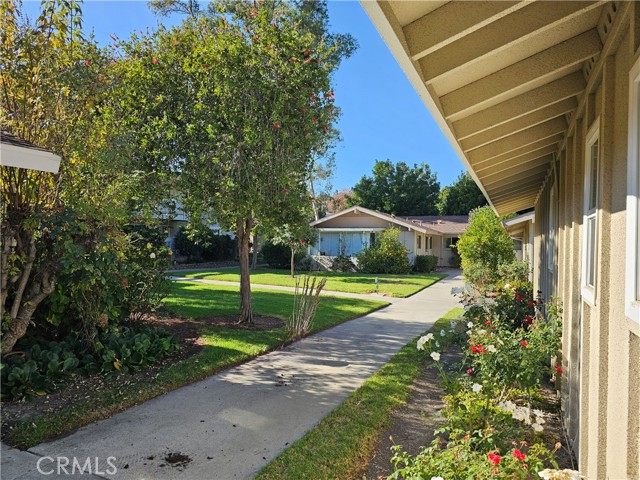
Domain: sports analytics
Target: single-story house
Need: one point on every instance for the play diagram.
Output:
(541, 102)
(350, 231)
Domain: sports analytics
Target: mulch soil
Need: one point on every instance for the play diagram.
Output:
(82, 388)
(412, 426)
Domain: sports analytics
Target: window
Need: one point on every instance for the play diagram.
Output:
(429, 243)
(451, 241)
(632, 261)
(590, 214)
(419, 242)
(372, 239)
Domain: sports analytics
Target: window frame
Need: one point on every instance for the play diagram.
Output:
(449, 241)
(590, 215)
(632, 254)
(419, 241)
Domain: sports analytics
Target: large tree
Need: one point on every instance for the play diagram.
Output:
(54, 83)
(460, 197)
(236, 102)
(398, 189)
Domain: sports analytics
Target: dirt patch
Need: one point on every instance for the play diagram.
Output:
(413, 425)
(177, 459)
(82, 388)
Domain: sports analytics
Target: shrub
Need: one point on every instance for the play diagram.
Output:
(202, 243)
(46, 366)
(279, 255)
(342, 263)
(99, 286)
(387, 255)
(483, 247)
(455, 260)
(515, 272)
(305, 303)
(425, 263)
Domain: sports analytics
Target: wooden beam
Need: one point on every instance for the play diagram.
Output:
(521, 76)
(509, 33)
(452, 21)
(525, 176)
(507, 168)
(517, 172)
(514, 143)
(519, 124)
(536, 99)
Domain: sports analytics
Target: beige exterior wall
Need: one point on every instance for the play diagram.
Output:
(356, 220)
(601, 346)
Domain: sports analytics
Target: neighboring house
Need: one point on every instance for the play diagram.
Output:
(541, 102)
(521, 230)
(173, 218)
(350, 231)
(15, 152)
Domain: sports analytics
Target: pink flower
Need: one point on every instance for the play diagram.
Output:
(494, 458)
(519, 455)
(154, 60)
(87, 63)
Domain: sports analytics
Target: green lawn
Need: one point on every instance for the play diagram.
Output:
(342, 443)
(394, 285)
(224, 347)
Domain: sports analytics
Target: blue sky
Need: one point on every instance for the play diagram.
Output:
(382, 115)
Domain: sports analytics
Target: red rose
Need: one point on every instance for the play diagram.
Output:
(493, 458)
(528, 319)
(558, 369)
(518, 298)
(524, 343)
(469, 371)
(154, 60)
(519, 455)
(276, 124)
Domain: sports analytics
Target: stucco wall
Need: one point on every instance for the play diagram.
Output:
(601, 346)
(356, 220)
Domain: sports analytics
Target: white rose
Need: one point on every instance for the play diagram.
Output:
(435, 356)
(476, 387)
(152, 255)
(491, 348)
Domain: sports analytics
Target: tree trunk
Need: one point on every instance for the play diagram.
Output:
(293, 262)
(18, 327)
(254, 260)
(244, 227)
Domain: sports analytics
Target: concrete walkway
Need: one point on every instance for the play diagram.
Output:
(232, 424)
(259, 286)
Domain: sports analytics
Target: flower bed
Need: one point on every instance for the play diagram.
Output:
(495, 420)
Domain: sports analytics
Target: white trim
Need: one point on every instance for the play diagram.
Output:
(389, 218)
(589, 292)
(632, 259)
(29, 158)
(351, 229)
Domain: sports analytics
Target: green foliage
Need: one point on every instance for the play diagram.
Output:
(203, 243)
(425, 263)
(278, 255)
(460, 197)
(342, 263)
(398, 189)
(459, 460)
(516, 272)
(238, 99)
(46, 366)
(58, 89)
(122, 277)
(387, 255)
(484, 247)
(486, 434)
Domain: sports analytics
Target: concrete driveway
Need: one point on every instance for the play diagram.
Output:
(232, 424)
